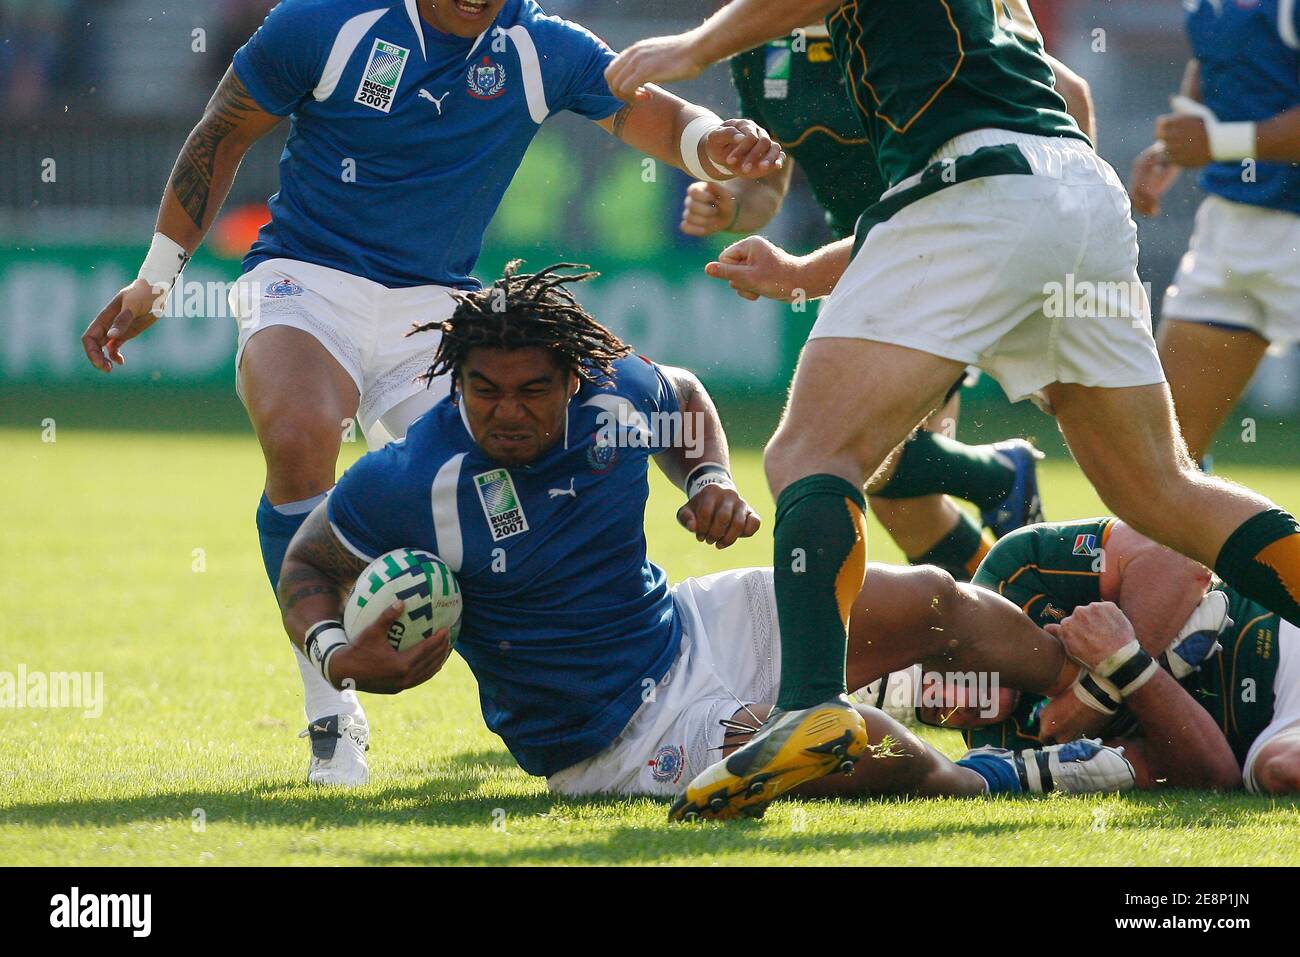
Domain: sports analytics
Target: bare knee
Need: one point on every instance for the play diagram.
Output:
(938, 602)
(300, 451)
(1277, 769)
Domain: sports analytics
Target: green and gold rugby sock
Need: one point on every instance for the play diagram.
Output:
(930, 463)
(960, 551)
(1261, 559)
(821, 559)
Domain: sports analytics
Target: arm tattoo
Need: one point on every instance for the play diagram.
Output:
(192, 179)
(620, 119)
(322, 565)
(287, 602)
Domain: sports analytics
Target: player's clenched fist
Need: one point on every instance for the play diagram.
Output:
(756, 268)
(130, 313)
(718, 516)
(743, 148)
(1186, 139)
(709, 208)
(369, 663)
(1094, 632)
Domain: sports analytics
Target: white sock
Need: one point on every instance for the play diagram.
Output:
(322, 698)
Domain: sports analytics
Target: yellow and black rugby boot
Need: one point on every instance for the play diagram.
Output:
(792, 747)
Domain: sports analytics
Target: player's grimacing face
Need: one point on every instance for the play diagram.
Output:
(516, 401)
(464, 18)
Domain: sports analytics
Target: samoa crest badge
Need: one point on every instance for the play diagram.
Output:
(487, 79)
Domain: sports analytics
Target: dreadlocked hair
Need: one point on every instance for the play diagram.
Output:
(520, 310)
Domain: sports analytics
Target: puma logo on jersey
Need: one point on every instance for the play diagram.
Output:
(435, 100)
(559, 492)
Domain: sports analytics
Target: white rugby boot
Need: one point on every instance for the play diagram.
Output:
(338, 750)
(1078, 767)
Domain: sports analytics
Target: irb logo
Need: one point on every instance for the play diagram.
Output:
(383, 75)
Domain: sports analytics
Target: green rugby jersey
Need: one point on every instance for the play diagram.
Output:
(1049, 570)
(921, 72)
(797, 92)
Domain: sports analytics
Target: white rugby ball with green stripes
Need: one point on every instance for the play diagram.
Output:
(419, 579)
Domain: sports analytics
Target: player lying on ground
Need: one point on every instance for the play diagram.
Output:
(794, 89)
(592, 669)
(1237, 665)
(1001, 243)
(1238, 289)
(408, 122)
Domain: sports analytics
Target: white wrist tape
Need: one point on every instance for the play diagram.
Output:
(695, 131)
(1128, 669)
(162, 267)
(706, 474)
(1097, 693)
(1229, 142)
(322, 640)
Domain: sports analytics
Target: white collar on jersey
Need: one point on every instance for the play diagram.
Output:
(413, 11)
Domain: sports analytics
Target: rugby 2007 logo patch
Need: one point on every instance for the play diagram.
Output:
(383, 74)
(501, 505)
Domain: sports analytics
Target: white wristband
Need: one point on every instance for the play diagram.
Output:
(695, 131)
(1229, 142)
(162, 267)
(321, 641)
(706, 474)
(1127, 669)
(1099, 694)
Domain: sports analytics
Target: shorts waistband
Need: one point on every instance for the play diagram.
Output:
(977, 139)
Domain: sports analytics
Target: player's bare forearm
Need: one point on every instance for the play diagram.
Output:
(1159, 591)
(760, 199)
(1077, 94)
(700, 464)
(821, 270)
(205, 170)
(1182, 746)
(317, 572)
(1191, 85)
(1277, 140)
(655, 121)
(703, 438)
(744, 24)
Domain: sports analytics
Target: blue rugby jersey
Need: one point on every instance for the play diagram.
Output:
(404, 139)
(565, 617)
(1249, 51)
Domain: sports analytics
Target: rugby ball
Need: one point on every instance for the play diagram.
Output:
(420, 580)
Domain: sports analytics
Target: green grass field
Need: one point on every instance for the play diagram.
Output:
(133, 554)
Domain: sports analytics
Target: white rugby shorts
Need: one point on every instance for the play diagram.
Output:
(1032, 277)
(730, 656)
(1241, 269)
(1286, 700)
(361, 323)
